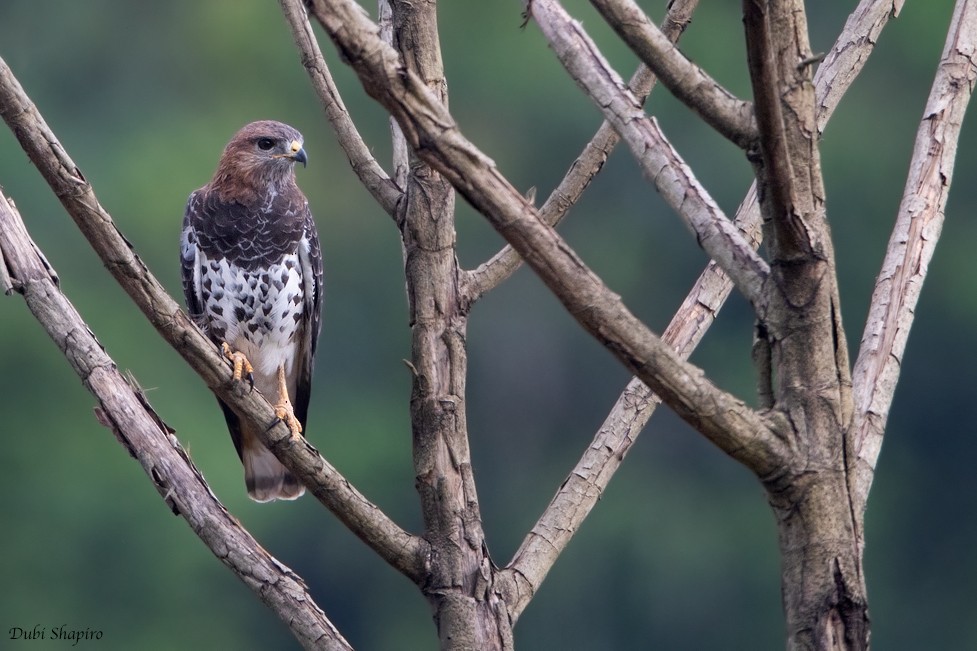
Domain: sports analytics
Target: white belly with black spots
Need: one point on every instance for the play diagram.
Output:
(257, 312)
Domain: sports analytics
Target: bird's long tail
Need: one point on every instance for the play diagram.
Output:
(265, 477)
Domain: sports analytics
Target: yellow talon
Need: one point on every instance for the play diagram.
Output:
(241, 363)
(283, 408)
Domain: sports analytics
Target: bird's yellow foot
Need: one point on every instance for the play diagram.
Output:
(283, 408)
(241, 364)
(284, 412)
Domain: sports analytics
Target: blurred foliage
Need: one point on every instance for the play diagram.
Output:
(681, 552)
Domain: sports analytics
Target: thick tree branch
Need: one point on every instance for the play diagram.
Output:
(402, 550)
(583, 486)
(431, 131)
(468, 610)
(658, 160)
(583, 170)
(124, 409)
(386, 192)
(911, 245)
(729, 115)
(819, 532)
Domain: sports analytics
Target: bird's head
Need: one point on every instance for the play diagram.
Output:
(261, 155)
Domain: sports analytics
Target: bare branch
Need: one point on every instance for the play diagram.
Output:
(386, 192)
(402, 550)
(466, 607)
(434, 135)
(124, 410)
(911, 245)
(401, 151)
(785, 206)
(727, 114)
(850, 53)
(583, 170)
(583, 486)
(658, 160)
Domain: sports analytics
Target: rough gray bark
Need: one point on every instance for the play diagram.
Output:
(911, 246)
(433, 134)
(730, 116)
(823, 582)
(468, 611)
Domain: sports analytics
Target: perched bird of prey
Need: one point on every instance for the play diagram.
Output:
(252, 277)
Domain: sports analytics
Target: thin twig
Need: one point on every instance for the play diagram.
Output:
(911, 245)
(729, 115)
(124, 409)
(584, 169)
(402, 550)
(386, 192)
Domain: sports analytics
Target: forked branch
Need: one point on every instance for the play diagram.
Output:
(583, 486)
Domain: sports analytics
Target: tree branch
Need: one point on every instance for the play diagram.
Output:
(911, 245)
(848, 56)
(465, 605)
(584, 485)
(792, 238)
(818, 531)
(727, 114)
(588, 164)
(386, 192)
(125, 410)
(402, 550)
(432, 132)
(399, 148)
(658, 160)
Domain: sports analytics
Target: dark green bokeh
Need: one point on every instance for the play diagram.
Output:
(680, 553)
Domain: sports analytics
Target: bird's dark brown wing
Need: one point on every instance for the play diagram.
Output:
(310, 261)
(192, 291)
(188, 258)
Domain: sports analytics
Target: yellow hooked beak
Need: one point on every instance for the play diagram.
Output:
(297, 153)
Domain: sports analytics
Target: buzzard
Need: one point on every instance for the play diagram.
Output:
(252, 277)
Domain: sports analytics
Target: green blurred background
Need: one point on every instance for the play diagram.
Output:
(680, 553)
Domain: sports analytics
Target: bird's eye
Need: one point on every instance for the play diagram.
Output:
(265, 143)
